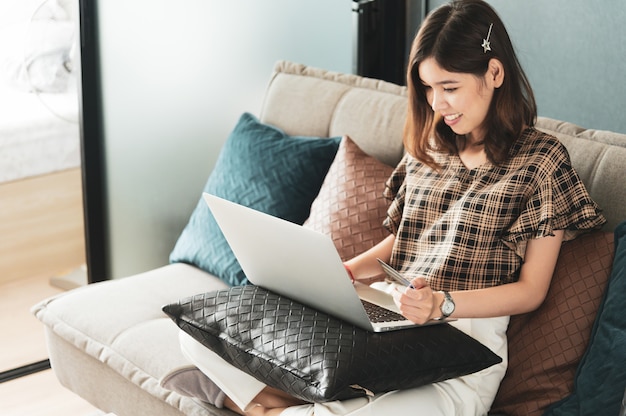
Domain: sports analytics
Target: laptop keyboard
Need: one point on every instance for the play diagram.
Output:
(379, 314)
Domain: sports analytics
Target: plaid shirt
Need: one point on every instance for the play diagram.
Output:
(467, 229)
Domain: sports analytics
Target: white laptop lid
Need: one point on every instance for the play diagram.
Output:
(296, 262)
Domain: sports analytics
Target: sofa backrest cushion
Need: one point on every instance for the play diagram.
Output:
(314, 102)
(350, 206)
(546, 345)
(599, 157)
(600, 379)
(263, 168)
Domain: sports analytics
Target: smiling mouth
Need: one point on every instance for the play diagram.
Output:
(452, 117)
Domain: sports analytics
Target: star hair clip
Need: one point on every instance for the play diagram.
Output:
(486, 43)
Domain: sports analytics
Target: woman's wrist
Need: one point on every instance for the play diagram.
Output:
(349, 272)
(438, 298)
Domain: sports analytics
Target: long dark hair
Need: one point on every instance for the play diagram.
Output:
(452, 35)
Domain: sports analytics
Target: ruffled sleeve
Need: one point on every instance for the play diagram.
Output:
(395, 190)
(560, 202)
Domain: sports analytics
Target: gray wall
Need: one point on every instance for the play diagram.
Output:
(176, 75)
(574, 52)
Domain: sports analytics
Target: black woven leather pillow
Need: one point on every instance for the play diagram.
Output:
(316, 357)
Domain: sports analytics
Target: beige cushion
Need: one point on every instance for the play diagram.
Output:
(314, 102)
(137, 340)
(599, 157)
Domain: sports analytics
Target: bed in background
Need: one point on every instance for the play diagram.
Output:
(40, 187)
(39, 133)
(39, 130)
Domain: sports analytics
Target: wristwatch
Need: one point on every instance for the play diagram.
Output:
(447, 306)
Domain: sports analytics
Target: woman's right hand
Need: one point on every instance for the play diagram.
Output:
(418, 303)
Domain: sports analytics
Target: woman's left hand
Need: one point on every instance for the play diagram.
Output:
(419, 303)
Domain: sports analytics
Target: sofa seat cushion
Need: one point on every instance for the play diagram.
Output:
(120, 323)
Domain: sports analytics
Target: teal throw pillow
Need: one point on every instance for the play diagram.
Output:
(601, 376)
(261, 167)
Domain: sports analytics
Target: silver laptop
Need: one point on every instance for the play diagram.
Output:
(303, 265)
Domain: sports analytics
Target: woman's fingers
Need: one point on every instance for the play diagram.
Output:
(415, 304)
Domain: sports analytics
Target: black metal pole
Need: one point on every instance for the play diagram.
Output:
(94, 198)
(24, 370)
(380, 39)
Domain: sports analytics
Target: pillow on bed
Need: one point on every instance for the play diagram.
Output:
(36, 47)
(261, 167)
(350, 206)
(314, 356)
(546, 346)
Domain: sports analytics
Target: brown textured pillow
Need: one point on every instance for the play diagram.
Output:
(545, 346)
(350, 206)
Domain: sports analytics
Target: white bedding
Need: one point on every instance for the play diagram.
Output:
(38, 133)
(39, 128)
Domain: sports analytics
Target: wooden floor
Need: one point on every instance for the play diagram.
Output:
(41, 240)
(41, 395)
(22, 341)
(22, 334)
(41, 225)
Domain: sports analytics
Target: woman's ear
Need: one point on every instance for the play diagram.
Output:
(495, 72)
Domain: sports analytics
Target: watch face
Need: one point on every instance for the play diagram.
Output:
(447, 308)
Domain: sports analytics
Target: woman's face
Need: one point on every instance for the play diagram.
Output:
(462, 100)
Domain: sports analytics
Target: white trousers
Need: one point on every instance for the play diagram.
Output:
(470, 395)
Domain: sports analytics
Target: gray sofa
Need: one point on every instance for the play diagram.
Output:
(111, 344)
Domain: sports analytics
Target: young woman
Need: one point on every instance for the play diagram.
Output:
(479, 208)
